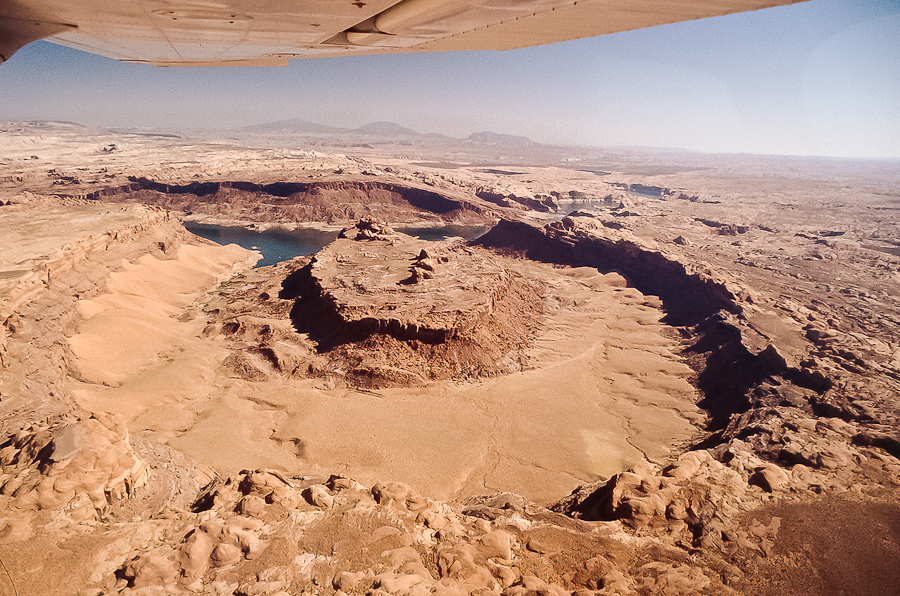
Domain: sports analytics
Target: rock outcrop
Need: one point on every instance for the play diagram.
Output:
(505, 198)
(23, 277)
(406, 309)
(81, 466)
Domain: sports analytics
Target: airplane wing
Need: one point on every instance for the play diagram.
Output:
(271, 32)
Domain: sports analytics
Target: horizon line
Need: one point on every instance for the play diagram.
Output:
(342, 129)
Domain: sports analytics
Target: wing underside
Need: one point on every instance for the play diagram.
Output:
(271, 32)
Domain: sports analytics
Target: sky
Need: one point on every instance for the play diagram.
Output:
(815, 78)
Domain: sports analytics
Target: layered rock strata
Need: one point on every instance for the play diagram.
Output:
(755, 367)
(436, 310)
(342, 199)
(372, 286)
(41, 276)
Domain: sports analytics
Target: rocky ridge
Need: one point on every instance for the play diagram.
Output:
(750, 355)
(322, 201)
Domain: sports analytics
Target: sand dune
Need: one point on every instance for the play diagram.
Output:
(602, 391)
(131, 339)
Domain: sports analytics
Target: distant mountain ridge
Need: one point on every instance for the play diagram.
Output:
(294, 126)
(496, 138)
(386, 129)
(382, 128)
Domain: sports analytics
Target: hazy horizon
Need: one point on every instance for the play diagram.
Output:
(818, 79)
(670, 151)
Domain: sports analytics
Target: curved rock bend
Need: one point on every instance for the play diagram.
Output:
(689, 295)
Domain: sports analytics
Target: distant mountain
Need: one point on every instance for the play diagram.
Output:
(387, 129)
(300, 126)
(294, 126)
(499, 139)
(45, 124)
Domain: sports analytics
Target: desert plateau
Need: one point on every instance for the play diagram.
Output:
(502, 367)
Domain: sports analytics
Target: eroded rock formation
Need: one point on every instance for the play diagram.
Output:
(330, 201)
(397, 310)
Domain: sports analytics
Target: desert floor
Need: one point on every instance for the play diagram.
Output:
(695, 392)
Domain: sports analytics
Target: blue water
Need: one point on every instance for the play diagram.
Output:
(278, 245)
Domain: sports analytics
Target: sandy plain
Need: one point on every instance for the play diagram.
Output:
(132, 433)
(603, 390)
